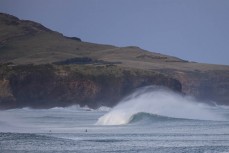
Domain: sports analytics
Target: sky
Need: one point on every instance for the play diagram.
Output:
(194, 30)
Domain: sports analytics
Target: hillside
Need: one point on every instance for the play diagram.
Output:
(42, 68)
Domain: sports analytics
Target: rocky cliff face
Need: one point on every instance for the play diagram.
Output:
(41, 68)
(45, 86)
(210, 86)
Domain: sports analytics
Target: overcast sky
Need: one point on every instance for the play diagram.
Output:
(195, 30)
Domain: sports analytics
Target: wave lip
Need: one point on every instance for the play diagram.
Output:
(156, 100)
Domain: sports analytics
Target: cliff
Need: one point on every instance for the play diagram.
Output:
(49, 85)
(41, 68)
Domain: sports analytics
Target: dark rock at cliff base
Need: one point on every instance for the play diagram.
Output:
(41, 68)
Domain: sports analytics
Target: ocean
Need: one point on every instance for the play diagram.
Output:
(148, 121)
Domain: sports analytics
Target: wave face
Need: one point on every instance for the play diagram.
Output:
(145, 118)
(154, 101)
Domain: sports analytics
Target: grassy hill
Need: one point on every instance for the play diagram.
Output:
(27, 47)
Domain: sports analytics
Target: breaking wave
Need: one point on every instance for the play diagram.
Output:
(157, 103)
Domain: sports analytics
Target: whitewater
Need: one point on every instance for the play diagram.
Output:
(152, 119)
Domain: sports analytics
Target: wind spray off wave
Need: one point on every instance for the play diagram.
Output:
(158, 101)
